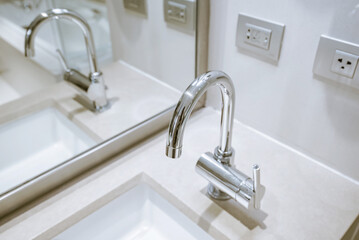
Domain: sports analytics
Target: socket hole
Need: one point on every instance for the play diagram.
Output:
(349, 62)
(247, 37)
(249, 30)
(340, 60)
(342, 67)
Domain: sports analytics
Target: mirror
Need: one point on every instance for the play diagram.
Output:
(146, 52)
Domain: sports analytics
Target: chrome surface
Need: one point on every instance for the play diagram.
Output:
(256, 184)
(72, 75)
(225, 180)
(95, 92)
(186, 105)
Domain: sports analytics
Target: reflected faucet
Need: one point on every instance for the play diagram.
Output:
(225, 181)
(93, 86)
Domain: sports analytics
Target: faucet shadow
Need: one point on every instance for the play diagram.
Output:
(251, 218)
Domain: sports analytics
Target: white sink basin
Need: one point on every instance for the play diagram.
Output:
(36, 143)
(140, 213)
(7, 93)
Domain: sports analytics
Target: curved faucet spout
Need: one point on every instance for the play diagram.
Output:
(187, 103)
(74, 17)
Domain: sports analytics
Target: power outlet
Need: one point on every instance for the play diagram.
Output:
(138, 6)
(180, 14)
(258, 36)
(344, 63)
(337, 60)
(176, 11)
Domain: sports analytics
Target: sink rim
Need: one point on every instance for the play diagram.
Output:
(56, 114)
(124, 187)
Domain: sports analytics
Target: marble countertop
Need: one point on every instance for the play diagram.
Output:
(303, 200)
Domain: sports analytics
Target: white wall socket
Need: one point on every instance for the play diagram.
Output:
(344, 63)
(138, 6)
(337, 60)
(180, 14)
(176, 11)
(259, 36)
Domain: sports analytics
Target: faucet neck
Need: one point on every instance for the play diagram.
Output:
(74, 17)
(187, 103)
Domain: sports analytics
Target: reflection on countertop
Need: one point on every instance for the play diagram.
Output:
(137, 97)
(28, 152)
(303, 200)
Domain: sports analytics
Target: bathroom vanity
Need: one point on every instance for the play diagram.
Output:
(290, 210)
(81, 174)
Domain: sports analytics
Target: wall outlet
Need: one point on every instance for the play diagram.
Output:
(337, 60)
(258, 36)
(176, 11)
(180, 14)
(261, 37)
(138, 6)
(344, 63)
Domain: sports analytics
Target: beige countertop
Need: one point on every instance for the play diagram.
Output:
(303, 200)
(136, 96)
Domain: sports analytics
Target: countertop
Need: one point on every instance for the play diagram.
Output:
(135, 95)
(303, 200)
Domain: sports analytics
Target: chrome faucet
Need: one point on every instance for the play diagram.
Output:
(225, 181)
(92, 87)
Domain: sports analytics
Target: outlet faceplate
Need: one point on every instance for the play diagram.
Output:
(337, 60)
(258, 36)
(176, 11)
(138, 6)
(180, 13)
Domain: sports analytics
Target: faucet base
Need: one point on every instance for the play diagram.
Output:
(217, 194)
(100, 109)
(90, 105)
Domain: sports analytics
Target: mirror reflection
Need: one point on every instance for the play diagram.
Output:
(93, 69)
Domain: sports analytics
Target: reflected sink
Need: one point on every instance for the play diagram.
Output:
(36, 143)
(140, 213)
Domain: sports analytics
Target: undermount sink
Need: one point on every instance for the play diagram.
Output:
(35, 143)
(138, 214)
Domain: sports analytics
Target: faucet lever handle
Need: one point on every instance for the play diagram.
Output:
(63, 60)
(256, 185)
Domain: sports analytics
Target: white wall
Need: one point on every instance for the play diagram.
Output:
(149, 44)
(318, 117)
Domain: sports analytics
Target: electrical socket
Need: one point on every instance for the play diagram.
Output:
(344, 63)
(331, 61)
(180, 14)
(138, 6)
(176, 11)
(258, 36)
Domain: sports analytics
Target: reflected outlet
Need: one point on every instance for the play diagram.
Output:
(138, 6)
(180, 14)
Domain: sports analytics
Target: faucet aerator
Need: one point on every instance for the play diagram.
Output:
(29, 53)
(173, 152)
